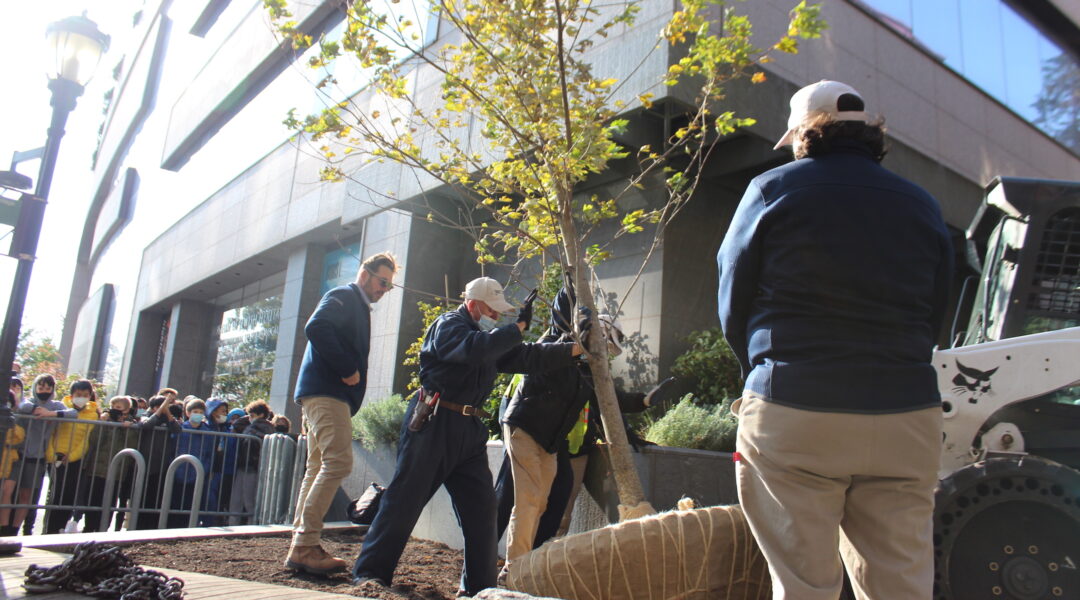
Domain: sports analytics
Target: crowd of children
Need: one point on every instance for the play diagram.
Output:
(74, 441)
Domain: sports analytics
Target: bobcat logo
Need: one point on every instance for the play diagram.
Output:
(973, 382)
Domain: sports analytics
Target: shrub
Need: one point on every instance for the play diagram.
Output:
(379, 423)
(689, 425)
(710, 363)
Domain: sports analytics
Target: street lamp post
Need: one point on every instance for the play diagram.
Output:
(77, 45)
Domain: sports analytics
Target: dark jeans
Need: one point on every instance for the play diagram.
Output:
(558, 498)
(451, 450)
(69, 488)
(96, 496)
(151, 503)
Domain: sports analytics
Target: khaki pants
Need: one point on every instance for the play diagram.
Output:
(533, 469)
(811, 483)
(329, 460)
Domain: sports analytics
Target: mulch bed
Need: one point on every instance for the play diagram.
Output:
(427, 570)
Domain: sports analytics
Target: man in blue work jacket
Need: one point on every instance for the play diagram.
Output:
(330, 388)
(834, 282)
(443, 440)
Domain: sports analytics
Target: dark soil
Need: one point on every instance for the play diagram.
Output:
(427, 570)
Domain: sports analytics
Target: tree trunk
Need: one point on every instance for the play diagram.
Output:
(632, 503)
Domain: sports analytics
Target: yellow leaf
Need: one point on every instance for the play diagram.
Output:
(758, 77)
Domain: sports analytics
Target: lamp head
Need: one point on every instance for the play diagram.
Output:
(77, 46)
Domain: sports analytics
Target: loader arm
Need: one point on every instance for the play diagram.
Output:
(977, 381)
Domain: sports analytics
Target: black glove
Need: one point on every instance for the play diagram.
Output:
(660, 394)
(525, 314)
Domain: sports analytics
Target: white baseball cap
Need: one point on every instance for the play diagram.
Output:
(488, 291)
(816, 99)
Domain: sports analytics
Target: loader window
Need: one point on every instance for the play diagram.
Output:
(1054, 302)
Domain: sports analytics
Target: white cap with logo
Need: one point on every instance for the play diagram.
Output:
(817, 99)
(488, 291)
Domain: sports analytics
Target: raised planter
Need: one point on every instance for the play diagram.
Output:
(438, 522)
(667, 474)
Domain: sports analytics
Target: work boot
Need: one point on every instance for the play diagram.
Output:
(314, 560)
(8, 531)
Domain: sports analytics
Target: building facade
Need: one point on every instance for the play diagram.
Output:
(210, 238)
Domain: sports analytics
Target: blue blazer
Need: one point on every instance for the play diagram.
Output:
(339, 338)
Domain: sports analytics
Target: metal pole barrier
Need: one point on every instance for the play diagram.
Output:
(270, 449)
(285, 482)
(297, 479)
(264, 461)
(166, 494)
(110, 486)
(274, 512)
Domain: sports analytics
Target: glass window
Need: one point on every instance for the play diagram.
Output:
(1004, 55)
(340, 266)
(246, 349)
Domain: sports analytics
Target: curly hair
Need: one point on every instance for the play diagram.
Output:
(817, 136)
(258, 407)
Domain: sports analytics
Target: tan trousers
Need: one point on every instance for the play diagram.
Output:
(812, 482)
(329, 436)
(533, 469)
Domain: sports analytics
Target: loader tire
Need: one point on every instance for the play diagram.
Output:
(702, 554)
(1008, 528)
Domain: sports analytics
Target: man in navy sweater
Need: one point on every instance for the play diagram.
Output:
(330, 389)
(463, 351)
(834, 279)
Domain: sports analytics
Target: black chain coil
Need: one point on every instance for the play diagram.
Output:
(103, 571)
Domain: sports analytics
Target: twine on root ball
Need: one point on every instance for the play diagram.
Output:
(702, 554)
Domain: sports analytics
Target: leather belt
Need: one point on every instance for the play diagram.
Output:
(465, 409)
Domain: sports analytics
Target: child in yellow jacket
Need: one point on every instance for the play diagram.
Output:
(67, 447)
(9, 453)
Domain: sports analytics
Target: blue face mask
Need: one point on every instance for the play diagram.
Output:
(140, 413)
(486, 323)
(196, 418)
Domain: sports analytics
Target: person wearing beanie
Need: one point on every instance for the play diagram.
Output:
(234, 414)
(834, 282)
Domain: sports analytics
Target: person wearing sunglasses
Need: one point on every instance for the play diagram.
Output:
(330, 389)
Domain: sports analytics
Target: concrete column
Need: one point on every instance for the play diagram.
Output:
(303, 280)
(139, 374)
(190, 350)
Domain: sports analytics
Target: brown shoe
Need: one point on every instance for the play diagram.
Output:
(314, 560)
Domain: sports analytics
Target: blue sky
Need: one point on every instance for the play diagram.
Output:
(982, 39)
(26, 111)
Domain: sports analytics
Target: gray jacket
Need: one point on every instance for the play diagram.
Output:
(38, 431)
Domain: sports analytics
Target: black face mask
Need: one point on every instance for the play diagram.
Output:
(43, 395)
(176, 412)
(115, 414)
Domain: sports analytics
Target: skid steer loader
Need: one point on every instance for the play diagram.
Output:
(1007, 506)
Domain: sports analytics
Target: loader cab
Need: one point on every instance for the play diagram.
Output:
(1029, 280)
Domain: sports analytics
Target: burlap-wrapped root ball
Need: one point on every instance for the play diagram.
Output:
(706, 553)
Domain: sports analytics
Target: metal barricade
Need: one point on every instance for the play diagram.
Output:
(100, 470)
(110, 486)
(167, 494)
(299, 468)
(278, 486)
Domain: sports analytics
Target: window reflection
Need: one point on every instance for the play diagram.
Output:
(246, 349)
(1001, 53)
